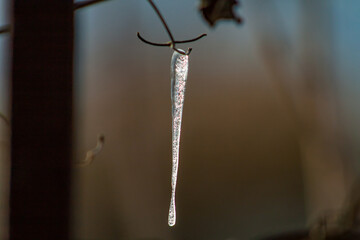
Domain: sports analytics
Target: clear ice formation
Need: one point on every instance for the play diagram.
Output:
(179, 73)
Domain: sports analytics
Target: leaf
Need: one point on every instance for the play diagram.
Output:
(214, 10)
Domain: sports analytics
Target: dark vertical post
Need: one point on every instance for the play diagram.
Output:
(41, 119)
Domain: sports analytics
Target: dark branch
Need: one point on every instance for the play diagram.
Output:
(77, 5)
(191, 40)
(162, 20)
(167, 44)
(83, 4)
(172, 41)
(5, 29)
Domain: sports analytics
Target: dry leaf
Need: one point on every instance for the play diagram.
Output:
(214, 10)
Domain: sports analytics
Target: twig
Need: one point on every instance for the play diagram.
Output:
(83, 4)
(172, 42)
(168, 44)
(162, 20)
(192, 40)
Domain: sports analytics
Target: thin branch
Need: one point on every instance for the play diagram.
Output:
(192, 40)
(162, 20)
(168, 44)
(172, 42)
(82, 4)
(5, 29)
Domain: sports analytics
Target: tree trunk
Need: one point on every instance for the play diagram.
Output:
(41, 145)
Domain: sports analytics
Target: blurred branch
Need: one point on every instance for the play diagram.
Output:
(5, 119)
(5, 29)
(351, 209)
(82, 4)
(313, 104)
(77, 5)
(337, 225)
(274, 47)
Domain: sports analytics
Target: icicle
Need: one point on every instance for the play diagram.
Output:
(179, 72)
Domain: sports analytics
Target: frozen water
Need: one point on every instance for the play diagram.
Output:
(179, 72)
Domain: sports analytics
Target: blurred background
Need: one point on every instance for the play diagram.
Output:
(270, 130)
(5, 69)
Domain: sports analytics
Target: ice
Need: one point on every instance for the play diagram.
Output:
(179, 72)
